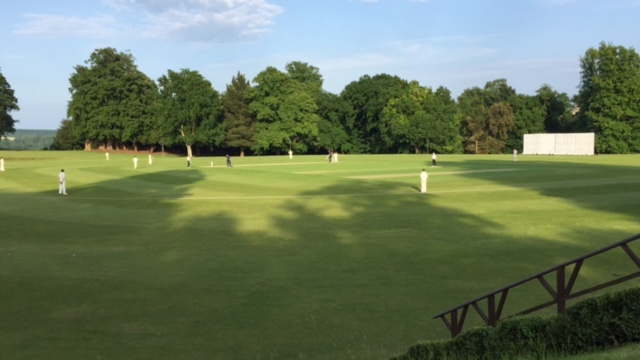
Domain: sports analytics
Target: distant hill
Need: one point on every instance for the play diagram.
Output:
(28, 140)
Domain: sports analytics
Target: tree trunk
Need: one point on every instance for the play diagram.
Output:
(189, 150)
(87, 145)
(241, 152)
(417, 149)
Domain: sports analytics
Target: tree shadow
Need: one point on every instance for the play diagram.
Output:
(161, 265)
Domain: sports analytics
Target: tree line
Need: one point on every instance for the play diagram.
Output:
(28, 140)
(115, 106)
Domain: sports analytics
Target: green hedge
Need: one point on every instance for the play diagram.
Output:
(601, 322)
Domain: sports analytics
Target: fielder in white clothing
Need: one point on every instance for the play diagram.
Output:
(107, 155)
(1, 164)
(135, 162)
(62, 180)
(290, 154)
(423, 181)
(433, 159)
(515, 154)
(150, 159)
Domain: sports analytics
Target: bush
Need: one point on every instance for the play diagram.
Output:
(601, 322)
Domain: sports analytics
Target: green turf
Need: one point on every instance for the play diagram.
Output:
(287, 259)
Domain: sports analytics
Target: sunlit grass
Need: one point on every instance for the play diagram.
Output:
(282, 259)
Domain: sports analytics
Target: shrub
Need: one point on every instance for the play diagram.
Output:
(595, 323)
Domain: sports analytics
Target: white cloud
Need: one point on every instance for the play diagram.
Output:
(60, 26)
(188, 20)
(208, 20)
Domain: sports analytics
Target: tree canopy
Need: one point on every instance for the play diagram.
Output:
(8, 103)
(286, 111)
(113, 104)
(609, 97)
(110, 99)
(239, 124)
(190, 110)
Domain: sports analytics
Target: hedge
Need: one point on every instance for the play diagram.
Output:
(595, 323)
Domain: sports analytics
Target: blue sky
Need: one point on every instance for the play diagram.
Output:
(458, 44)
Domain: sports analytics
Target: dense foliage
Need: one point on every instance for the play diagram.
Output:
(8, 103)
(606, 321)
(28, 140)
(110, 100)
(114, 105)
(609, 98)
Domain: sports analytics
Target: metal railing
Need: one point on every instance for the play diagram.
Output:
(454, 318)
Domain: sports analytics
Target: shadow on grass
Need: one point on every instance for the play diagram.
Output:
(139, 267)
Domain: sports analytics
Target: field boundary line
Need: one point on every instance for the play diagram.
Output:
(392, 176)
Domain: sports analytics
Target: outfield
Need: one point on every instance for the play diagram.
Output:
(287, 259)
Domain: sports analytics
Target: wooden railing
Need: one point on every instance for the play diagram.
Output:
(454, 318)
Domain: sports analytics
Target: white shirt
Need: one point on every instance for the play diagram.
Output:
(61, 177)
(433, 156)
(424, 176)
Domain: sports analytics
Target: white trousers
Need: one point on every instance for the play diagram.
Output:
(62, 188)
(423, 186)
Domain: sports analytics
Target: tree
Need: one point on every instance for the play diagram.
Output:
(239, 124)
(307, 75)
(66, 138)
(331, 126)
(488, 117)
(286, 113)
(422, 119)
(8, 103)
(191, 110)
(110, 99)
(405, 120)
(609, 97)
(445, 135)
(529, 118)
(366, 99)
(500, 121)
(558, 110)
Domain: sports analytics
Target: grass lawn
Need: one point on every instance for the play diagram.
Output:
(288, 259)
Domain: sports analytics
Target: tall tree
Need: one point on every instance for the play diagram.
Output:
(422, 119)
(66, 138)
(110, 99)
(445, 135)
(307, 75)
(500, 121)
(191, 110)
(366, 98)
(286, 113)
(609, 97)
(558, 110)
(404, 121)
(529, 117)
(487, 117)
(332, 133)
(240, 125)
(8, 103)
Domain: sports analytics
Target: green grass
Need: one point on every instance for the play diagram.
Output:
(628, 352)
(287, 259)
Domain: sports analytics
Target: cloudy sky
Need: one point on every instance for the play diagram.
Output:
(454, 43)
